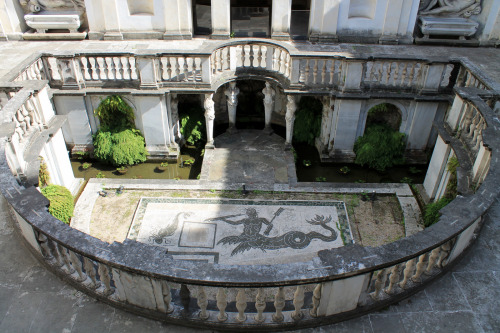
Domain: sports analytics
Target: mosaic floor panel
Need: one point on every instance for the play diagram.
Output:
(232, 231)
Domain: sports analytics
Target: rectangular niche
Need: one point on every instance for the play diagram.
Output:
(141, 7)
(362, 9)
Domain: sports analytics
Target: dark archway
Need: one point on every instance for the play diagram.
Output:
(384, 114)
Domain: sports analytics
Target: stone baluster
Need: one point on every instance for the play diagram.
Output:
(393, 73)
(26, 115)
(185, 69)
(298, 303)
(54, 69)
(306, 72)
(478, 142)
(316, 297)
(445, 249)
(185, 296)
(315, 71)
(167, 297)
(164, 68)
(33, 114)
(478, 129)
(466, 120)
(216, 61)
(95, 70)
(404, 73)
(282, 68)
(197, 69)
(408, 272)
(251, 57)
(323, 72)
(21, 127)
(39, 70)
(125, 67)
(102, 68)
(259, 55)
(65, 258)
(369, 73)
(380, 281)
(474, 122)
(77, 265)
(133, 69)
(105, 279)
(420, 268)
(279, 305)
(57, 254)
(380, 74)
(177, 68)
(85, 65)
(88, 266)
(260, 305)
(43, 241)
(432, 260)
(226, 58)
(393, 279)
(191, 69)
(202, 303)
(221, 299)
(241, 305)
(411, 74)
(118, 68)
(109, 68)
(332, 71)
(243, 55)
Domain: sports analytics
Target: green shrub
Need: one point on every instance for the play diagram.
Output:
(431, 212)
(380, 147)
(126, 147)
(118, 142)
(61, 202)
(307, 124)
(193, 127)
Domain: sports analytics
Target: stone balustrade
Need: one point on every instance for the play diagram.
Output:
(338, 284)
(35, 71)
(466, 78)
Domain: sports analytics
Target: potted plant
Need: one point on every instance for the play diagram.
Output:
(345, 170)
(122, 170)
(188, 162)
(86, 165)
(162, 167)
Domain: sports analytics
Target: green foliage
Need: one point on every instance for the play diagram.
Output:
(193, 125)
(43, 173)
(380, 147)
(126, 147)
(118, 142)
(100, 175)
(307, 124)
(321, 179)
(451, 187)
(345, 170)
(453, 165)
(114, 113)
(431, 213)
(61, 202)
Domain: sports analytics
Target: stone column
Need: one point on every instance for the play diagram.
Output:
(324, 20)
(269, 95)
(174, 113)
(291, 107)
(437, 167)
(178, 22)
(281, 15)
(326, 122)
(221, 19)
(231, 93)
(112, 21)
(209, 118)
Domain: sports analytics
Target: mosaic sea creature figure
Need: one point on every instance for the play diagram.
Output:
(160, 234)
(252, 239)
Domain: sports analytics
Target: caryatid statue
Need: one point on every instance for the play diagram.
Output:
(174, 112)
(291, 107)
(269, 94)
(231, 93)
(208, 104)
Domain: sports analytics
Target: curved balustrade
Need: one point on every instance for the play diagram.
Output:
(339, 284)
(35, 71)
(253, 56)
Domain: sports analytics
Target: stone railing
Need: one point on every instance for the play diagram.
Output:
(467, 79)
(35, 71)
(228, 60)
(324, 72)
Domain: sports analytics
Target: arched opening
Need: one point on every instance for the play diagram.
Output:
(382, 145)
(384, 114)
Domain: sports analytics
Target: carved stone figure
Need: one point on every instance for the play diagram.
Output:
(291, 107)
(464, 8)
(209, 117)
(269, 94)
(34, 6)
(231, 93)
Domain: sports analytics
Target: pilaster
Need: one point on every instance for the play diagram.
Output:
(221, 19)
(280, 20)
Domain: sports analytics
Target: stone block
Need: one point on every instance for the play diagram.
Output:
(46, 20)
(447, 26)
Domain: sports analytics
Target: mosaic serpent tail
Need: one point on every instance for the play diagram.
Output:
(292, 239)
